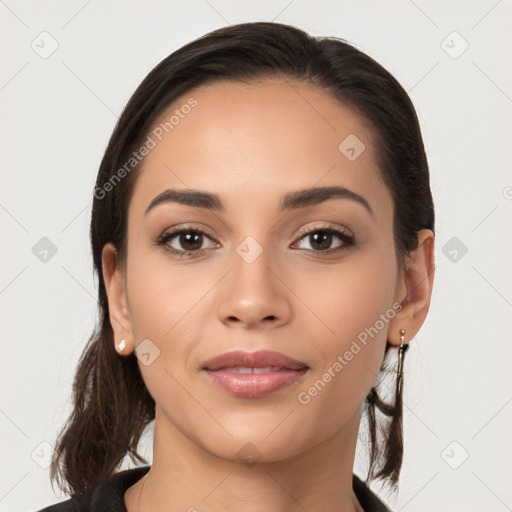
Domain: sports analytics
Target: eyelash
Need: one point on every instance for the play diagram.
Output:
(348, 240)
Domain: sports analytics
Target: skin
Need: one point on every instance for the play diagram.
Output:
(251, 144)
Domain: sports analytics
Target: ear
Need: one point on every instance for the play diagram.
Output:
(115, 285)
(414, 289)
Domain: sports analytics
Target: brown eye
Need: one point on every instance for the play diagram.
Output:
(321, 240)
(185, 241)
(190, 241)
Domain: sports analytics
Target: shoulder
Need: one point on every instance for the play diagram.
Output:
(71, 505)
(368, 500)
(109, 496)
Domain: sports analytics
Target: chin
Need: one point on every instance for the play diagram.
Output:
(254, 450)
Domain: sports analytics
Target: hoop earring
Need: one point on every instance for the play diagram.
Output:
(401, 351)
(122, 345)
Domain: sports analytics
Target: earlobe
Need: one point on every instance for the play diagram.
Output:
(117, 302)
(121, 348)
(418, 278)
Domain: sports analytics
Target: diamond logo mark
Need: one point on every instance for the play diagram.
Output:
(454, 250)
(41, 454)
(455, 455)
(351, 147)
(249, 454)
(147, 352)
(249, 249)
(454, 45)
(44, 250)
(44, 45)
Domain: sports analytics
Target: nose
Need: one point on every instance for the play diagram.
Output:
(254, 295)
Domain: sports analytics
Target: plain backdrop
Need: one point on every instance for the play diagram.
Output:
(68, 69)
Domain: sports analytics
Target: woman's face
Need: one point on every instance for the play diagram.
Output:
(255, 280)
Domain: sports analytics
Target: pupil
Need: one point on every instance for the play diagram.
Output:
(186, 239)
(326, 236)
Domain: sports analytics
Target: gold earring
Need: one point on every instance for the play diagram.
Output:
(401, 351)
(122, 345)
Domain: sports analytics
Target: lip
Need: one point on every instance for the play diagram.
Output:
(259, 359)
(276, 372)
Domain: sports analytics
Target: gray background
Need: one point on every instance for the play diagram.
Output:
(58, 111)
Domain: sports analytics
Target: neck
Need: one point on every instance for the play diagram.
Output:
(184, 476)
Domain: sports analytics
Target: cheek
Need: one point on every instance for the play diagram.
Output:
(349, 297)
(161, 294)
(354, 303)
(168, 304)
(164, 302)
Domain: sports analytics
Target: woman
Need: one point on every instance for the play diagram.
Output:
(263, 236)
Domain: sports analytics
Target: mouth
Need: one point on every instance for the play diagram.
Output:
(247, 369)
(253, 374)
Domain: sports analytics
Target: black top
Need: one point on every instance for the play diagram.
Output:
(109, 496)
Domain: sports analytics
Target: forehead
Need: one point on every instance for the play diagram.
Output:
(252, 143)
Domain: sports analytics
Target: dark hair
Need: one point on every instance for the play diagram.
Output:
(112, 405)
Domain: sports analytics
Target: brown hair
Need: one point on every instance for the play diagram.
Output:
(112, 405)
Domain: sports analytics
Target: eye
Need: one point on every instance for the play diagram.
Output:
(188, 241)
(185, 241)
(321, 239)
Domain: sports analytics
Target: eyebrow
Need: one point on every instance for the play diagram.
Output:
(291, 201)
